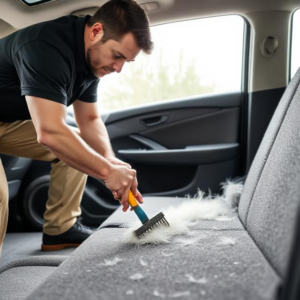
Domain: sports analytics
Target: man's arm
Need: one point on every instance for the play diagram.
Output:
(92, 129)
(94, 133)
(52, 131)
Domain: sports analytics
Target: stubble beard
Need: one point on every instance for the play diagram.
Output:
(89, 61)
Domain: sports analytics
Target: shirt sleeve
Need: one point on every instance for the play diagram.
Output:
(43, 71)
(90, 94)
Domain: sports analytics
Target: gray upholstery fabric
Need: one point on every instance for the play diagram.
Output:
(50, 261)
(271, 194)
(273, 211)
(226, 272)
(19, 282)
(266, 145)
(155, 205)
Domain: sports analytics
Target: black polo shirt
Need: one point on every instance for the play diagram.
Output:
(45, 60)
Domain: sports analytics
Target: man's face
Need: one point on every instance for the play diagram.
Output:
(110, 57)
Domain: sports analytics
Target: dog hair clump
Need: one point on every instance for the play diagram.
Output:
(143, 263)
(136, 276)
(226, 241)
(232, 192)
(111, 262)
(166, 254)
(182, 294)
(186, 241)
(192, 279)
(176, 295)
(159, 295)
(130, 292)
(184, 217)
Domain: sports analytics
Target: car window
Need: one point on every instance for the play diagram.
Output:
(295, 57)
(190, 58)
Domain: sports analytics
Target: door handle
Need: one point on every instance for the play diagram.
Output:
(156, 120)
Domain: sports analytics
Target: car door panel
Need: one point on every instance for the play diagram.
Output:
(210, 128)
(189, 144)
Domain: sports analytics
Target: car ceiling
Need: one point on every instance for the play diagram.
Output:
(15, 15)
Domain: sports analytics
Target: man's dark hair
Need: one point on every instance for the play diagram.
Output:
(123, 16)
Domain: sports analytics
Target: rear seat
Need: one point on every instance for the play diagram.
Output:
(252, 268)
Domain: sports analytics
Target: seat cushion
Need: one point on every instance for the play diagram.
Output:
(34, 261)
(154, 205)
(19, 282)
(104, 267)
(20, 277)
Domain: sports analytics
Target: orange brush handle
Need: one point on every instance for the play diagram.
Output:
(137, 209)
(131, 200)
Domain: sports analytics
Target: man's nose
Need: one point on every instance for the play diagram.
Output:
(118, 66)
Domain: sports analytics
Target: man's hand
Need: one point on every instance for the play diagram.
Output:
(120, 181)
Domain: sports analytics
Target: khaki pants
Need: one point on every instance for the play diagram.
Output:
(66, 184)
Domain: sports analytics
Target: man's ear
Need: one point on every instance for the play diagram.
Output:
(96, 32)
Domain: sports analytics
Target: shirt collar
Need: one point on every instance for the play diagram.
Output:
(80, 62)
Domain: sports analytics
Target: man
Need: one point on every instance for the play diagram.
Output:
(45, 68)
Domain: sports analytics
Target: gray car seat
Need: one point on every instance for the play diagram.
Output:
(253, 267)
(20, 278)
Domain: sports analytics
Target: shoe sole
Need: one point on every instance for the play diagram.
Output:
(57, 247)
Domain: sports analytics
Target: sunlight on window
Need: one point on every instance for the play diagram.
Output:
(190, 58)
(295, 58)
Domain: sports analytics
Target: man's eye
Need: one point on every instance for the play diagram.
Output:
(117, 56)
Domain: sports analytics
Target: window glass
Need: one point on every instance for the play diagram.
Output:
(295, 57)
(190, 58)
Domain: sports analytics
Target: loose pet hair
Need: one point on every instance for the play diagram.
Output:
(184, 217)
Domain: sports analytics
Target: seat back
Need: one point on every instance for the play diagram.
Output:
(271, 195)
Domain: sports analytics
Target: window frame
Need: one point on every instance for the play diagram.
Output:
(38, 2)
(291, 44)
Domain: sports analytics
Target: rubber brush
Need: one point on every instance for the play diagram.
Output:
(148, 224)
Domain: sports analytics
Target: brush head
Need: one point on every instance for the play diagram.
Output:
(158, 220)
